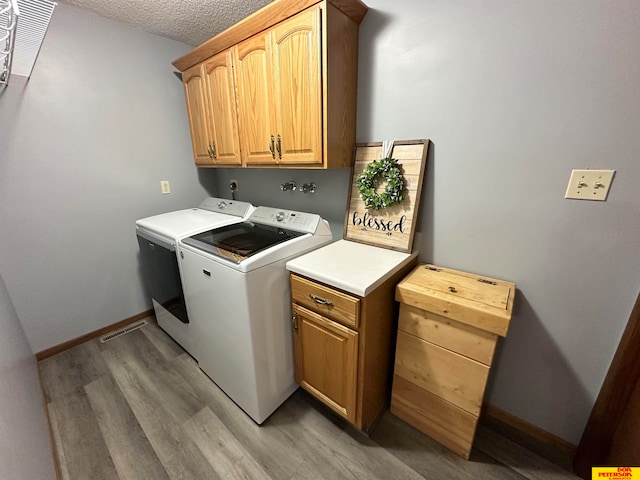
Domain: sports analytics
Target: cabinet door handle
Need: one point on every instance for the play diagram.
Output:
(209, 151)
(294, 321)
(279, 147)
(271, 147)
(320, 300)
(213, 151)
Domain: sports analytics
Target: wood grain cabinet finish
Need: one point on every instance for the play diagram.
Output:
(340, 307)
(448, 327)
(297, 86)
(343, 346)
(293, 87)
(326, 355)
(221, 112)
(211, 108)
(252, 60)
(194, 90)
(279, 85)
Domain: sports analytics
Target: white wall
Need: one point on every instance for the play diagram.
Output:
(513, 95)
(84, 145)
(25, 451)
(262, 187)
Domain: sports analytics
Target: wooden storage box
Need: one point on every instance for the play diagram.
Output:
(448, 327)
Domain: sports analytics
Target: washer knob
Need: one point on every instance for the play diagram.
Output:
(222, 205)
(280, 216)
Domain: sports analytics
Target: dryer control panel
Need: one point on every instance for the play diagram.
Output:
(228, 207)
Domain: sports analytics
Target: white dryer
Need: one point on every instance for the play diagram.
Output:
(237, 292)
(157, 238)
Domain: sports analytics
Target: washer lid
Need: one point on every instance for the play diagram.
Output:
(240, 241)
(211, 213)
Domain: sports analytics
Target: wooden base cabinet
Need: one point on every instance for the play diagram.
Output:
(326, 360)
(343, 346)
(448, 327)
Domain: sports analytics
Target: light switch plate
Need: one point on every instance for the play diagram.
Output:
(589, 184)
(164, 186)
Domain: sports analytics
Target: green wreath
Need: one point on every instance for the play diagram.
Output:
(367, 181)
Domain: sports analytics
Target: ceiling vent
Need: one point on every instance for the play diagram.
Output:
(23, 25)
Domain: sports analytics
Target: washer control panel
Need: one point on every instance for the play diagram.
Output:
(297, 221)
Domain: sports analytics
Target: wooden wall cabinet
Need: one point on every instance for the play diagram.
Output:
(448, 327)
(211, 109)
(279, 101)
(343, 346)
(293, 87)
(220, 93)
(194, 90)
(252, 60)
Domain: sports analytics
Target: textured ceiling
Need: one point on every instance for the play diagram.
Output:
(188, 21)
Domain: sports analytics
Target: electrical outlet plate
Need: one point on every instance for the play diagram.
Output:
(589, 184)
(164, 187)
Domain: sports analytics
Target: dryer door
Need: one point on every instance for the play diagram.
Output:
(162, 278)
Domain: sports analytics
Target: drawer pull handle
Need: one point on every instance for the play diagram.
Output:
(452, 290)
(320, 300)
(482, 280)
(294, 321)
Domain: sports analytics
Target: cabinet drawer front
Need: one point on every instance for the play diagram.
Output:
(444, 422)
(448, 375)
(330, 303)
(455, 336)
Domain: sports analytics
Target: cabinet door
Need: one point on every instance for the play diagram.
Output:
(252, 59)
(194, 90)
(326, 360)
(221, 102)
(297, 88)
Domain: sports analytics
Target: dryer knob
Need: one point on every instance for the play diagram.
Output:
(280, 216)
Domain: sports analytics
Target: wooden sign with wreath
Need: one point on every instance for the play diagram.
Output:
(386, 184)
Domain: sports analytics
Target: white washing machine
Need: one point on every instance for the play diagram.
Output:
(237, 292)
(158, 237)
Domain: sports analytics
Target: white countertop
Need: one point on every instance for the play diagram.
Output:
(354, 267)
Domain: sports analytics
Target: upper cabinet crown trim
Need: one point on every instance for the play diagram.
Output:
(265, 18)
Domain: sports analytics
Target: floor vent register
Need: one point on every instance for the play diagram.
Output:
(123, 331)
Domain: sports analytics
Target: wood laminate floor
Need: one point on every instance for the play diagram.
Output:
(138, 407)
